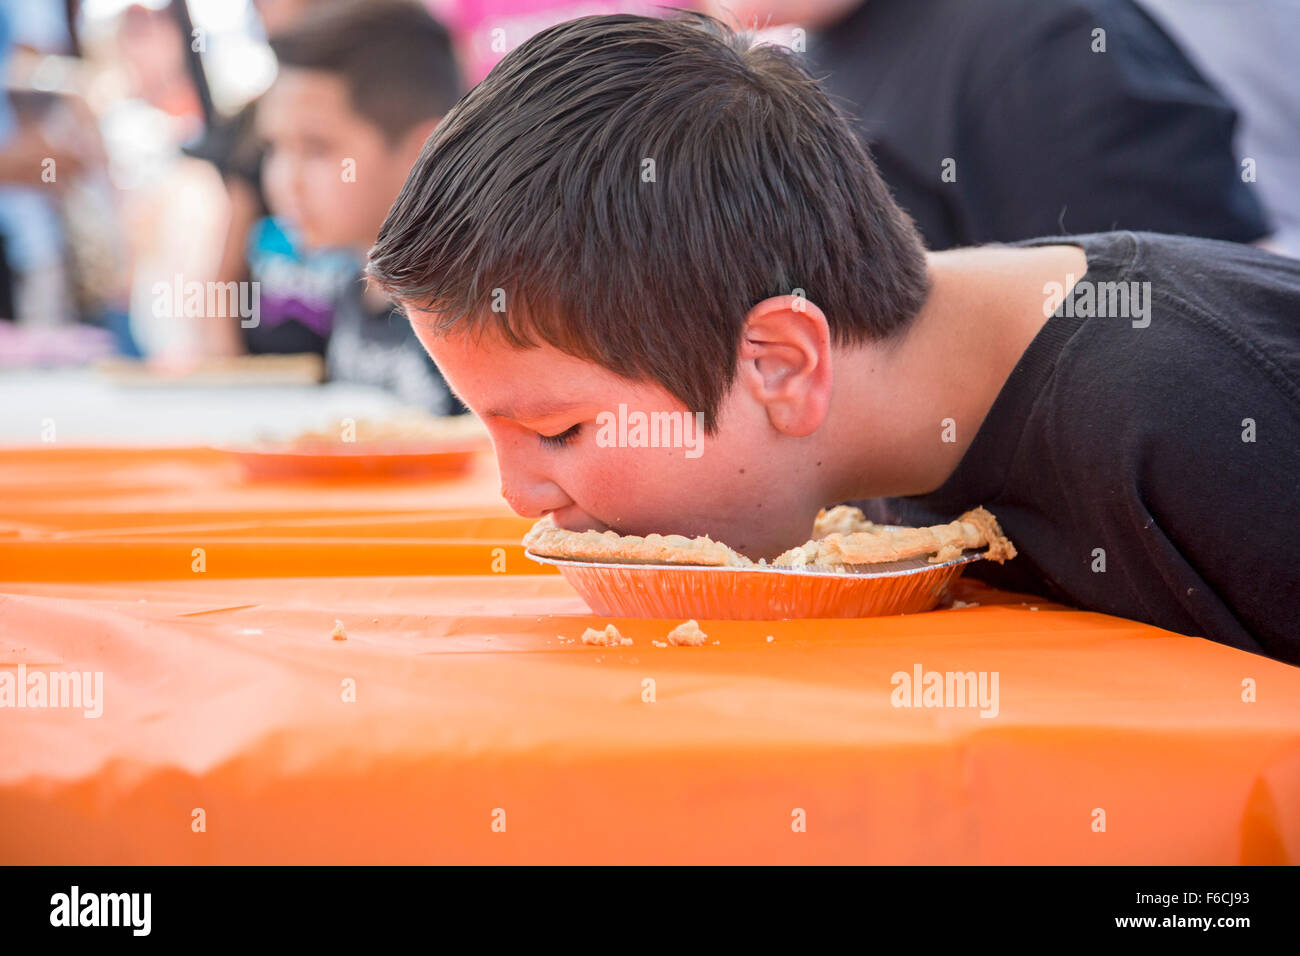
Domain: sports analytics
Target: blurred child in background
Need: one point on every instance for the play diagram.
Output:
(297, 287)
(360, 87)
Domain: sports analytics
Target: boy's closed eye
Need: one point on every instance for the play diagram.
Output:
(560, 439)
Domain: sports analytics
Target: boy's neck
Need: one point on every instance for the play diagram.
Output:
(985, 307)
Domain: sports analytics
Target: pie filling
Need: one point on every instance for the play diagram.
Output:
(842, 538)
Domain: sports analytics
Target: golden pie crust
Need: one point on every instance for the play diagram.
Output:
(609, 637)
(687, 634)
(552, 542)
(941, 542)
(842, 538)
(842, 519)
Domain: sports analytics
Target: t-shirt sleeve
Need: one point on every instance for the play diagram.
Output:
(1064, 137)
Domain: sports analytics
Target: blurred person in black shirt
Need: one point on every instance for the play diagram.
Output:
(1248, 52)
(1001, 120)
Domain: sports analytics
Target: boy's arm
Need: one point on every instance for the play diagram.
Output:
(220, 335)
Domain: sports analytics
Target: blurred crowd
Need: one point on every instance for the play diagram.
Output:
(189, 181)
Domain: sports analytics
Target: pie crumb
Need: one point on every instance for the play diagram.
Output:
(770, 638)
(687, 634)
(961, 604)
(338, 633)
(659, 643)
(609, 637)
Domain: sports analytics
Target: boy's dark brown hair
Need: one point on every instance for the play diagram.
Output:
(396, 59)
(629, 187)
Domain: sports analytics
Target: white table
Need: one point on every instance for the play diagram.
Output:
(81, 407)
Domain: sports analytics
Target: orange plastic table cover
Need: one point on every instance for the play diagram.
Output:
(454, 725)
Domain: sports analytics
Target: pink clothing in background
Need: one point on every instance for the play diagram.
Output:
(486, 30)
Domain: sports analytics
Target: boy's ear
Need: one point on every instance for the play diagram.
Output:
(785, 362)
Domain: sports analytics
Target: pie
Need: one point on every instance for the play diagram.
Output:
(842, 538)
(552, 542)
(842, 519)
(941, 542)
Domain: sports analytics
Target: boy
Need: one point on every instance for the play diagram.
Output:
(360, 87)
(645, 213)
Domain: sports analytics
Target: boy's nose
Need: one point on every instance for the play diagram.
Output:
(533, 499)
(528, 490)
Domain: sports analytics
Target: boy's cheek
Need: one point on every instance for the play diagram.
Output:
(643, 491)
(349, 207)
(603, 483)
(608, 486)
(325, 190)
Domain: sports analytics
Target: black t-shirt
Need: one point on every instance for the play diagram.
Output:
(1148, 466)
(299, 290)
(378, 347)
(1046, 136)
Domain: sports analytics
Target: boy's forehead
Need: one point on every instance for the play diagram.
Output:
(497, 372)
(299, 93)
(532, 409)
(488, 356)
(481, 346)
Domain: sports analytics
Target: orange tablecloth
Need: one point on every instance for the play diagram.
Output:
(477, 736)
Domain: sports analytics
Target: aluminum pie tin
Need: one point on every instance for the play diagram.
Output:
(759, 593)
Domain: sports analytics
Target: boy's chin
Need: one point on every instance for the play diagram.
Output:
(759, 541)
(317, 240)
(753, 543)
(767, 548)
